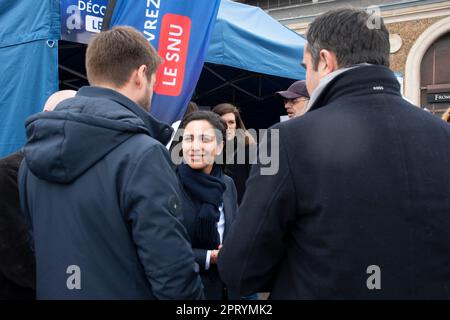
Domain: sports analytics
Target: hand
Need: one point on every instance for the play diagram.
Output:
(214, 255)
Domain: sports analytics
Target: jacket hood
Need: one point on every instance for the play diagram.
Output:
(65, 143)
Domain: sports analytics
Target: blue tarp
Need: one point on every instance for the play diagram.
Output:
(246, 37)
(28, 64)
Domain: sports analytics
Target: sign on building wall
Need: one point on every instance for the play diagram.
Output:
(438, 97)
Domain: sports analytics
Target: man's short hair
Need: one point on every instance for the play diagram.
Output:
(113, 55)
(351, 36)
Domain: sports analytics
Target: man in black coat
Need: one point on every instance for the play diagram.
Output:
(17, 274)
(360, 205)
(17, 263)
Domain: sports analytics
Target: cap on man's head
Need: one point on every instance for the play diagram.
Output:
(297, 89)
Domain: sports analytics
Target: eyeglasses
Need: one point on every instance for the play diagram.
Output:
(293, 101)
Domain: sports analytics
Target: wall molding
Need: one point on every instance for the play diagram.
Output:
(393, 16)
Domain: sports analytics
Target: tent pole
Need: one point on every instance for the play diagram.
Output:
(82, 76)
(231, 84)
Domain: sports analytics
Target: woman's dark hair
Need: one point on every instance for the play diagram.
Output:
(191, 107)
(224, 108)
(215, 121)
(354, 35)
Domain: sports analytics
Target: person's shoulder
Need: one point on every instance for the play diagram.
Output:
(143, 142)
(229, 182)
(12, 161)
(142, 146)
(295, 123)
(228, 179)
(9, 168)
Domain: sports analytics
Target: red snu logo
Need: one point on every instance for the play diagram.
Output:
(173, 48)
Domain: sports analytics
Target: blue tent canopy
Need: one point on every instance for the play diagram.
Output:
(28, 64)
(247, 38)
(251, 56)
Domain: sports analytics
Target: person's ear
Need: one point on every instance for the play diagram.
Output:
(220, 148)
(329, 61)
(153, 79)
(141, 75)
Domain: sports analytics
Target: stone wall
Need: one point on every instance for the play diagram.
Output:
(409, 31)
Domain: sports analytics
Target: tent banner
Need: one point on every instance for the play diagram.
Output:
(180, 31)
(80, 19)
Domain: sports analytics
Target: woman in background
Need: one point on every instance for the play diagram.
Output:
(242, 141)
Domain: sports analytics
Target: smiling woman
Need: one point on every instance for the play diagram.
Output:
(201, 145)
(209, 199)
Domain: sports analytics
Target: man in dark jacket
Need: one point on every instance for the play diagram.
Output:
(99, 190)
(360, 205)
(17, 263)
(17, 274)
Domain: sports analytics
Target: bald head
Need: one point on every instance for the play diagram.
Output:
(57, 97)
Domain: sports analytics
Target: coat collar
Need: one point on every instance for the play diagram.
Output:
(323, 84)
(361, 79)
(158, 130)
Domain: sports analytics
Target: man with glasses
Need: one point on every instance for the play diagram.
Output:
(296, 99)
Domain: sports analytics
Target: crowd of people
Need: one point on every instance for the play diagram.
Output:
(94, 206)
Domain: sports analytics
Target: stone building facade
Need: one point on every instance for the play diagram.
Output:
(419, 34)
